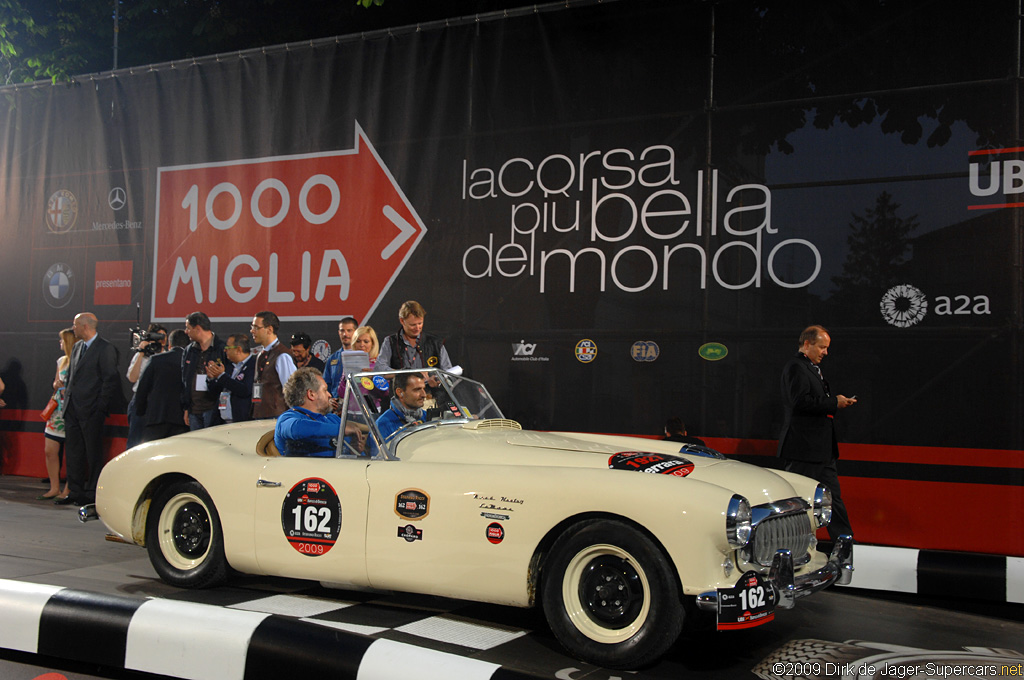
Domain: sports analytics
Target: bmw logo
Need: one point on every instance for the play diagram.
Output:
(58, 285)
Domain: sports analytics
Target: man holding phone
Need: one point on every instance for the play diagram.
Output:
(808, 442)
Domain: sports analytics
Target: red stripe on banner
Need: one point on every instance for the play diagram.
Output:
(992, 206)
(993, 152)
(21, 453)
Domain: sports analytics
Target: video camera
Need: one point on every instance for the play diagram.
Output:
(140, 335)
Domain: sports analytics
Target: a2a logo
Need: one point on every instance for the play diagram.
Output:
(904, 305)
(523, 349)
(962, 305)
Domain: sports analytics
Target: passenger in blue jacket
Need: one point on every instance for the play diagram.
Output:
(308, 428)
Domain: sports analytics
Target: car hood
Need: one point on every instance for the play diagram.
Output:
(612, 453)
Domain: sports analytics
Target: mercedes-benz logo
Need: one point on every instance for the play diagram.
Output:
(117, 198)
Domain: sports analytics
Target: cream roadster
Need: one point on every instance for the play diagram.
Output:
(618, 539)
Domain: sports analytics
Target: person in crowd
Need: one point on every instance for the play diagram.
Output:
(157, 400)
(808, 443)
(92, 388)
(235, 385)
(406, 406)
(346, 330)
(675, 431)
(138, 363)
(2, 388)
(411, 347)
(364, 339)
(333, 373)
(274, 365)
(308, 428)
(197, 399)
(300, 344)
(53, 431)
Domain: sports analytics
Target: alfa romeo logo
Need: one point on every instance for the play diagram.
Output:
(61, 211)
(903, 305)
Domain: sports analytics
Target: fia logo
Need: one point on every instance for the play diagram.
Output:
(644, 350)
(523, 349)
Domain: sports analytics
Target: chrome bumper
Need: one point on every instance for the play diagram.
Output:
(87, 512)
(838, 569)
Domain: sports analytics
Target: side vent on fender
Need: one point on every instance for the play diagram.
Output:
(492, 424)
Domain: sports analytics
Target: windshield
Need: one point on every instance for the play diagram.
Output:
(368, 405)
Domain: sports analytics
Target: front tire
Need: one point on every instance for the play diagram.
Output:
(184, 538)
(610, 595)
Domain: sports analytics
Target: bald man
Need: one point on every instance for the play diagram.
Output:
(92, 386)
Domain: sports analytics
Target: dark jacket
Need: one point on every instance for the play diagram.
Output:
(429, 346)
(156, 400)
(808, 429)
(94, 383)
(193, 360)
(239, 389)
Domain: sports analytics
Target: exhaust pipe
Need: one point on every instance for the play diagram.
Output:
(87, 512)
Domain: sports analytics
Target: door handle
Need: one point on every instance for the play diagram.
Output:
(264, 482)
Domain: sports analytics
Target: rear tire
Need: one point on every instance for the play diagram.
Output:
(184, 538)
(610, 596)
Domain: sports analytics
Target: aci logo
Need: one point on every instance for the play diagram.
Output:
(523, 349)
(586, 351)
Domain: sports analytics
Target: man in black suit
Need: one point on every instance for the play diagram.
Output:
(157, 401)
(808, 443)
(235, 381)
(92, 388)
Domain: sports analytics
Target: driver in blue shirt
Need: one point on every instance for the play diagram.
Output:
(406, 406)
(308, 428)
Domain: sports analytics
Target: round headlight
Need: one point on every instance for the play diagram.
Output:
(737, 521)
(822, 505)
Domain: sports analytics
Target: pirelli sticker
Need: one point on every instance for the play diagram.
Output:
(412, 504)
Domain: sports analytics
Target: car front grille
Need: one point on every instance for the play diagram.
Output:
(790, 532)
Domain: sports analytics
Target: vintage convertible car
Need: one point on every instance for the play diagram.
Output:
(617, 538)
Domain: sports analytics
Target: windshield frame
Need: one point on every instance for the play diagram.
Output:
(455, 391)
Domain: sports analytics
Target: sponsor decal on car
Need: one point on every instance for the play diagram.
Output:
(412, 504)
(749, 603)
(494, 515)
(495, 533)
(311, 517)
(653, 463)
(410, 533)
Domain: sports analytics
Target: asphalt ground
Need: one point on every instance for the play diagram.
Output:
(823, 636)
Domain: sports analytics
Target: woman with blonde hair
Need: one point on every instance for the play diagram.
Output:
(365, 340)
(53, 433)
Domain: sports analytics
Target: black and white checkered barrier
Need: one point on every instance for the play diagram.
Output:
(932, 572)
(204, 642)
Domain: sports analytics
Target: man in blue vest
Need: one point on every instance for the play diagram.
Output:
(308, 428)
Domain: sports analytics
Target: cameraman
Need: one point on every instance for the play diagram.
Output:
(147, 344)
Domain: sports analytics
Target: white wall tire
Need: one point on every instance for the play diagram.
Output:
(610, 595)
(183, 537)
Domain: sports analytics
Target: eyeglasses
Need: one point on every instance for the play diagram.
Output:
(255, 327)
(232, 347)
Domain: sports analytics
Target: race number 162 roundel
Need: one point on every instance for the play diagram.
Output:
(311, 517)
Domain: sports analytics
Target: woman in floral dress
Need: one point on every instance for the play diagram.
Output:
(53, 433)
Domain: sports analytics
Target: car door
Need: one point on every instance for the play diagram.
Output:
(310, 518)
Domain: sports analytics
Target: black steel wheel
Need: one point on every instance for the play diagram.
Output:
(610, 595)
(183, 537)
